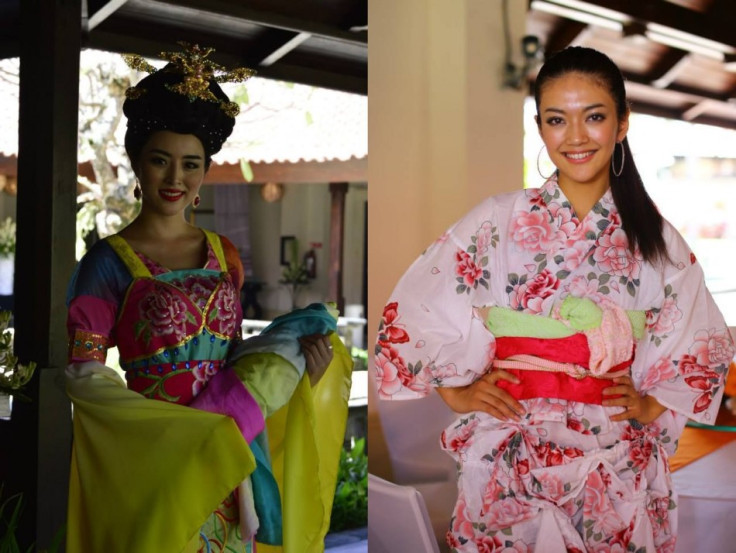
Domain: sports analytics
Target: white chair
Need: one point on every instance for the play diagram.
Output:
(707, 502)
(397, 519)
(412, 431)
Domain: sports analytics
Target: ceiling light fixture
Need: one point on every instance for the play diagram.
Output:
(584, 12)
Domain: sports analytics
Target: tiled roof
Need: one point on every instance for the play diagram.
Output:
(280, 122)
(285, 122)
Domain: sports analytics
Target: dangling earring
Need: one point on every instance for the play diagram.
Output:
(623, 159)
(539, 170)
(137, 192)
(195, 201)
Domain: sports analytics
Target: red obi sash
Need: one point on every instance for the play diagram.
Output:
(571, 383)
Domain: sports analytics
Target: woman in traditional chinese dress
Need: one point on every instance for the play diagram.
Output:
(190, 471)
(571, 328)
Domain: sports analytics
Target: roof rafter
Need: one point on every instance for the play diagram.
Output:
(103, 12)
(704, 25)
(272, 19)
(564, 35)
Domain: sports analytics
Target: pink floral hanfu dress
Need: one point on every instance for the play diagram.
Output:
(566, 478)
(173, 330)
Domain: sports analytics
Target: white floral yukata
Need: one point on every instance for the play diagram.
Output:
(565, 478)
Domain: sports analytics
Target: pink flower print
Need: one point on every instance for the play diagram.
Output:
(442, 372)
(462, 526)
(517, 547)
(391, 332)
(535, 198)
(565, 220)
(391, 372)
(574, 256)
(226, 305)
(640, 451)
(669, 314)
(581, 287)
(202, 374)
(659, 516)
(531, 231)
(484, 238)
(662, 370)
(598, 508)
(551, 487)
(703, 384)
(508, 511)
(467, 268)
(604, 547)
(488, 544)
(459, 438)
(577, 426)
(531, 294)
(586, 231)
(712, 347)
(165, 312)
(689, 364)
(613, 256)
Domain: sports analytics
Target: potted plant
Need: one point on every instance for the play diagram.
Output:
(13, 375)
(7, 256)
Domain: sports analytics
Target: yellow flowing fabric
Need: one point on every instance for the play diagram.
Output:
(145, 474)
(305, 439)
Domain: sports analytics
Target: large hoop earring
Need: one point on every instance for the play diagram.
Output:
(137, 192)
(195, 201)
(613, 158)
(539, 170)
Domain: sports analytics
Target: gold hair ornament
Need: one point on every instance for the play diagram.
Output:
(197, 71)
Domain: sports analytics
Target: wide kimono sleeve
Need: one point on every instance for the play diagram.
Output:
(430, 334)
(683, 359)
(94, 295)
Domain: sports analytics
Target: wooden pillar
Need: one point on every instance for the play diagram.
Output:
(444, 134)
(337, 233)
(46, 215)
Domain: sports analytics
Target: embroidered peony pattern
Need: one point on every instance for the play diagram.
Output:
(162, 313)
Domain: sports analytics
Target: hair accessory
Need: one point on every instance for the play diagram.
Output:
(623, 159)
(539, 170)
(196, 201)
(137, 192)
(197, 72)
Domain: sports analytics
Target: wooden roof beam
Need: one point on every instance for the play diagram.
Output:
(668, 68)
(667, 14)
(272, 19)
(105, 10)
(696, 110)
(697, 92)
(284, 49)
(564, 35)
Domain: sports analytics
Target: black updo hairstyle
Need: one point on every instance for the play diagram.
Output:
(154, 106)
(640, 219)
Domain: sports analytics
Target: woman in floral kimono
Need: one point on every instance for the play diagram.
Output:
(571, 328)
(190, 471)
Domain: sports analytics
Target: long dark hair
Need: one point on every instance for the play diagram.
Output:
(640, 219)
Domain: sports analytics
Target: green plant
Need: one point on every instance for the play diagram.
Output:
(9, 524)
(13, 375)
(7, 237)
(8, 541)
(350, 506)
(360, 358)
